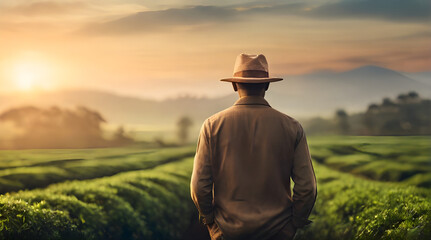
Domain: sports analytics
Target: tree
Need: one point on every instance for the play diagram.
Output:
(387, 102)
(402, 98)
(121, 138)
(373, 108)
(184, 124)
(342, 121)
(411, 97)
(413, 94)
(55, 127)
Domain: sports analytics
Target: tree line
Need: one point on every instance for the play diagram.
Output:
(407, 114)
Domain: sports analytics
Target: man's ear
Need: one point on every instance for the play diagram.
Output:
(235, 88)
(266, 86)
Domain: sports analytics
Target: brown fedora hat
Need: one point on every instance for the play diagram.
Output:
(251, 69)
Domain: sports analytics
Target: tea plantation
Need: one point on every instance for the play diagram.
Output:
(368, 188)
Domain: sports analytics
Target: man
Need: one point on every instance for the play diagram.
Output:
(244, 160)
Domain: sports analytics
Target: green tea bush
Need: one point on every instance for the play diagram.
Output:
(393, 159)
(348, 162)
(146, 204)
(53, 171)
(420, 180)
(21, 220)
(388, 171)
(351, 208)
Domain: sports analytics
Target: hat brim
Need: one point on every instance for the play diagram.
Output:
(250, 80)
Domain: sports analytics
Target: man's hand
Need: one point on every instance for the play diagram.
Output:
(207, 219)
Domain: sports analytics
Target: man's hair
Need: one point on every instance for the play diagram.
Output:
(252, 86)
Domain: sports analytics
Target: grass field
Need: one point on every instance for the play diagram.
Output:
(368, 188)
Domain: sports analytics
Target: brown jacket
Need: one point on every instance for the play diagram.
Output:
(244, 160)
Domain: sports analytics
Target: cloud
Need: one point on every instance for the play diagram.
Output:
(46, 8)
(190, 17)
(392, 10)
(417, 35)
(165, 20)
(360, 60)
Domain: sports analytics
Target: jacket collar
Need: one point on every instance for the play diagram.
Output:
(252, 100)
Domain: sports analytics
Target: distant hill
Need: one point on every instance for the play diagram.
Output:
(424, 77)
(323, 92)
(320, 93)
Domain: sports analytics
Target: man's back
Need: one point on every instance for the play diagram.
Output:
(245, 158)
(250, 149)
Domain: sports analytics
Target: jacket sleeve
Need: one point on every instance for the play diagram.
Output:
(305, 189)
(201, 186)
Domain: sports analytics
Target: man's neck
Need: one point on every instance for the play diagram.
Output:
(245, 94)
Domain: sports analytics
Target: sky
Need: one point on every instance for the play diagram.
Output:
(160, 49)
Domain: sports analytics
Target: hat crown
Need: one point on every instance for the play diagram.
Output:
(249, 62)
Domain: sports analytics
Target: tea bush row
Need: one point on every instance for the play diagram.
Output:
(37, 176)
(394, 159)
(146, 204)
(348, 207)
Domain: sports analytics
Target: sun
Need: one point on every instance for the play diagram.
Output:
(31, 74)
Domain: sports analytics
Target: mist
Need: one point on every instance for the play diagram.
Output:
(55, 127)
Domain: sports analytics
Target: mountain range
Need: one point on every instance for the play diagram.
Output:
(304, 96)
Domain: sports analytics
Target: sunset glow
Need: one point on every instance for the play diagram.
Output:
(160, 50)
(31, 74)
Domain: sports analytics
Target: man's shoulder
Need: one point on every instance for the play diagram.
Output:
(286, 117)
(221, 114)
(231, 110)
